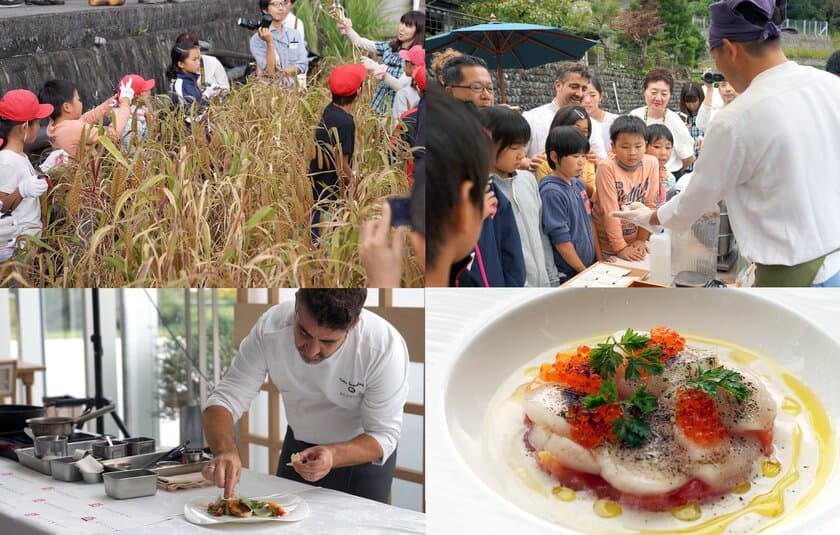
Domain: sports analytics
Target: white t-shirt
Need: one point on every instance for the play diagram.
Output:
(683, 142)
(14, 169)
(361, 388)
(214, 73)
(775, 162)
(291, 21)
(540, 119)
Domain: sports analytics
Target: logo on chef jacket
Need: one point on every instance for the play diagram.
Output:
(31, 514)
(352, 389)
(39, 500)
(88, 518)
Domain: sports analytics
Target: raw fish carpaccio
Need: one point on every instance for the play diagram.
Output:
(648, 421)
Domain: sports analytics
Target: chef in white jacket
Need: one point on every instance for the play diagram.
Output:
(342, 372)
(772, 154)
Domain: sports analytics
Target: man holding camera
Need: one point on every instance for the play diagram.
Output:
(767, 154)
(343, 375)
(727, 94)
(277, 49)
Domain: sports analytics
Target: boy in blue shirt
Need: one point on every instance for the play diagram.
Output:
(566, 218)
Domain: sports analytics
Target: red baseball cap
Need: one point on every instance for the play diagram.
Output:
(419, 76)
(345, 80)
(138, 84)
(415, 55)
(20, 105)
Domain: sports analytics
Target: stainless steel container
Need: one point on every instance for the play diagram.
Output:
(26, 456)
(139, 445)
(130, 484)
(64, 469)
(102, 450)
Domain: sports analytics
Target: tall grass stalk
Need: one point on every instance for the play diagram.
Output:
(231, 208)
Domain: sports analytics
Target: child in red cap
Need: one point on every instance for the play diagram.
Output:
(407, 95)
(136, 129)
(20, 185)
(68, 125)
(331, 168)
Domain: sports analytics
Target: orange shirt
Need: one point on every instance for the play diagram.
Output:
(616, 187)
(67, 134)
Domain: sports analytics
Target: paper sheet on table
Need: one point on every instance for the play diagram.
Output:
(54, 506)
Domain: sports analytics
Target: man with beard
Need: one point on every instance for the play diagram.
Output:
(570, 86)
(342, 372)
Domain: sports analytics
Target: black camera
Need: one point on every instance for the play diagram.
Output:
(713, 77)
(249, 24)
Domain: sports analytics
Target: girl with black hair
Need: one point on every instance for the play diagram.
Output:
(411, 31)
(691, 98)
(20, 185)
(184, 71)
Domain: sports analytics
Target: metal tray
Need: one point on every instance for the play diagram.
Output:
(26, 456)
(163, 468)
(64, 469)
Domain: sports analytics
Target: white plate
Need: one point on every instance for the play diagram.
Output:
(195, 510)
(466, 379)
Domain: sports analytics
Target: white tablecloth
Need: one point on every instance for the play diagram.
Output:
(33, 503)
(452, 315)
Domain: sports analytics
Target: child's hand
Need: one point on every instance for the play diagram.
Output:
(32, 187)
(491, 203)
(126, 91)
(631, 254)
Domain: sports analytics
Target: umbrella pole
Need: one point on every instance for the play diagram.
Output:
(501, 80)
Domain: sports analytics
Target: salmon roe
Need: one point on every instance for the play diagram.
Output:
(591, 426)
(573, 371)
(668, 340)
(698, 417)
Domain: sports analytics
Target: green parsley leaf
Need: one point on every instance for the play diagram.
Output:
(632, 432)
(647, 360)
(720, 377)
(604, 359)
(606, 394)
(643, 400)
(633, 341)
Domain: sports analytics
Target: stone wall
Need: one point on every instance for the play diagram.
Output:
(43, 47)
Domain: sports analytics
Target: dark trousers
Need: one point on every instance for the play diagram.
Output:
(366, 480)
(321, 191)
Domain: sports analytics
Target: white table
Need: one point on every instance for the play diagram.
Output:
(33, 503)
(454, 314)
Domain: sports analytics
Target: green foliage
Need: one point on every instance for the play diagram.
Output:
(322, 34)
(682, 38)
(711, 380)
(567, 14)
(807, 9)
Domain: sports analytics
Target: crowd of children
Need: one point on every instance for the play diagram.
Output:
(195, 79)
(547, 217)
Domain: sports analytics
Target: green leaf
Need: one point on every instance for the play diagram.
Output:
(256, 219)
(637, 363)
(720, 377)
(632, 432)
(633, 341)
(605, 360)
(606, 394)
(643, 400)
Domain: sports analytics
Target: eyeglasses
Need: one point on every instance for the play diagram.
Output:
(476, 88)
(279, 3)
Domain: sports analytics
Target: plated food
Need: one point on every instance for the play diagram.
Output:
(647, 421)
(243, 508)
(657, 431)
(208, 510)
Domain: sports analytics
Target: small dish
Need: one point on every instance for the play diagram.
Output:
(297, 509)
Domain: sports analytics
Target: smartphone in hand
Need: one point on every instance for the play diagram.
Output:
(400, 211)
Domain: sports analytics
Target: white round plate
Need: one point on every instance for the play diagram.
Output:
(540, 321)
(195, 510)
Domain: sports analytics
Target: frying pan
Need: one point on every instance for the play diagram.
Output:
(13, 417)
(63, 425)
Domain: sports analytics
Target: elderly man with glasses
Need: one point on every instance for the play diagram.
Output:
(467, 79)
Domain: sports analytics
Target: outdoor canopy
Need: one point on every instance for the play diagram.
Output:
(512, 45)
